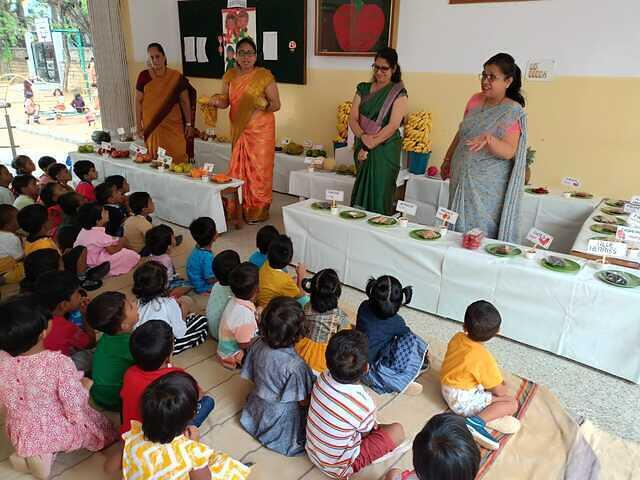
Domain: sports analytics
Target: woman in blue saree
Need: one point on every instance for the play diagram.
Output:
(486, 161)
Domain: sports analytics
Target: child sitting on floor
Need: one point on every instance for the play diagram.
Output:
(221, 292)
(160, 242)
(343, 435)
(49, 196)
(47, 406)
(23, 165)
(166, 439)
(323, 318)
(11, 252)
(44, 163)
(154, 303)
(139, 223)
(238, 325)
(34, 221)
(123, 188)
(6, 195)
(25, 189)
(70, 203)
(276, 411)
(113, 314)
(85, 170)
(59, 173)
(472, 384)
(102, 247)
(263, 239)
(200, 262)
(444, 450)
(38, 263)
(274, 280)
(396, 355)
(110, 197)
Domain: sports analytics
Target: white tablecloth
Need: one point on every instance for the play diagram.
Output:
(569, 315)
(552, 213)
(178, 199)
(305, 184)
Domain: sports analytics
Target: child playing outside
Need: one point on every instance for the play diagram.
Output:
(343, 435)
(264, 238)
(276, 411)
(221, 292)
(138, 224)
(323, 318)
(274, 280)
(47, 407)
(85, 170)
(472, 384)
(6, 195)
(200, 262)
(396, 355)
(25, 189)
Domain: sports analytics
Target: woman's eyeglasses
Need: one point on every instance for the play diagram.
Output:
(246, 53)
(380, 68)
(489, 76)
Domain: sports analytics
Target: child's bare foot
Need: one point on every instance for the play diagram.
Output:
(413, 389)
(40, 465)
(18, 463)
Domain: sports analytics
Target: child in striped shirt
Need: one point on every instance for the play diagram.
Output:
(343, 435)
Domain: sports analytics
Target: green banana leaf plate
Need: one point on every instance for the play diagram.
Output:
(502, 250)
(352, 215)
(569, 266)
(419, 235)
(618, 278)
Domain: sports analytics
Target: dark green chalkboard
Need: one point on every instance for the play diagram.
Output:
(203, 18)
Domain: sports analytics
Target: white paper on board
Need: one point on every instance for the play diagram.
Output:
(335, 195)
(606, 249)
(237, 4)
(202, 50)
(270, 45)
(189, 49)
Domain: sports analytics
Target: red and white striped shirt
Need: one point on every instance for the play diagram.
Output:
(338, 416)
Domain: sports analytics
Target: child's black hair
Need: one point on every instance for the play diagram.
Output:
(244, 280)
(115, 180)
(482, 321)
(386, 295)
(70, 203)
(82, 168)
(150, 281)
(168, 405)
(56, 287)
(445, 449)
(54, 170)
(32, 219)
(203, 230)
(264, 238)
(347, 356)
(103, 192)
(7, 212)
(281, 324)
(280, 252)
(325, 290)
(47, 192)
(223, 263)
(151, 344)
(22, 321)
(66, 236)
(89, 215)
(138, 201)
(36, 264)
(19, 163)
(158, 239)
(45, 162)
(22, 181)
(106, 312)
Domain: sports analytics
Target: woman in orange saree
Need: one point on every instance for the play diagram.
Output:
(165, 108)
(252, 94)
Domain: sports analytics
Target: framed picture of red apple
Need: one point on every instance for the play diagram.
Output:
(353, 27)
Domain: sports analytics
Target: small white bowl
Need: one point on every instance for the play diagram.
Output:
(204, 178)
(566, 194)
(530, 254)
(334, 210)
(443, 232)
(404, 222)
(161, 168)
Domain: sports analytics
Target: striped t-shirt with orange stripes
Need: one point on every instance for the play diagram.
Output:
(339, 415)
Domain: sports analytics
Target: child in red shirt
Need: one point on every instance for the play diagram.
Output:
(85, 170)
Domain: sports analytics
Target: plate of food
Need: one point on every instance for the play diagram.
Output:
(352, 215)
(537, 191)
(609, 220)
(221, 178)
(613, 211)
(502, 250)
(382, 221)
(424, 234)
(615, 203)
(604, 229)
(584, 195)
(618, 278)
(558, 264)
(321, 205)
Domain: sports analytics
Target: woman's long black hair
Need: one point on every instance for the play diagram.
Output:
(391, 56)
(507, 65)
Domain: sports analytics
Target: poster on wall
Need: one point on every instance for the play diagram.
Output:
(237, 23)
(353, 27)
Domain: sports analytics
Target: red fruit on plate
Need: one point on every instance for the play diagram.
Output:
(432, 171)
(358, 26)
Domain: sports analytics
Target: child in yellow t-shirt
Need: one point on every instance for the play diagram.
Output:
(472, 384)
(274, 280)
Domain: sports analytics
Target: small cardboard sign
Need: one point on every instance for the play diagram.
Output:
(628, 234)
(634, 219)
(161, 152)
(447, 216)
(571, 182)
(539, 238)
(318, 147)
(307, 144)
(209, 167)
(142, 150)
(635, 199)
(105, 146)
(120, 131)
(168, 160)
(631, 208)
(314, 160)
(603, 248)
(133, 148)
(334, 195)
(406, 207)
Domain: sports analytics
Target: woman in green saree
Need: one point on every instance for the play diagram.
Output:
(376, 115)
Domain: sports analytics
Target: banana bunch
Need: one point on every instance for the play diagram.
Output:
(342, 123)
(417, 133)
(209, 112)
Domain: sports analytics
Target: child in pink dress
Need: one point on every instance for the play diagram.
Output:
(47, 406)
(100, 246)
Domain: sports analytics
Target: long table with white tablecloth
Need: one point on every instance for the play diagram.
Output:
(178, 199)
(572, 315)
(552, 213)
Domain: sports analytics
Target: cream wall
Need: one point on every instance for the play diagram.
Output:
(582, 123)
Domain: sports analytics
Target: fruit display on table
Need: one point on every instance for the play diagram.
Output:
(346, 170)
(315, 153)
(222, 139)
(329, 164)
(293, 148)
(473, 239)
(143, 158)
(432, 171)
(342, 123)
(119, 153)
(99, 136)
(537, 191)
(417, 133)
(86, 149)
(220, 178)
(198, 172)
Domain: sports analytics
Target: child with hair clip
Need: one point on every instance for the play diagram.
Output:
(59, 173)
(322, 318)
(221, 292)
(44, 163)
(155, 303)
(6, 195)
(85, 170)
(25, 189)
(23, 165)
(159, 243)
(165, 438)
(47, 404)
(276, 411)
(139, 223)
(102, 247)
(396, 354)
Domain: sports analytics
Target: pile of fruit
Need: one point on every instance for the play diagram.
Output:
(143, 158)
(417, 133)
(315, 153)
(473, 239)
(119, 153)
(99, 136)
(221, 178)
(346, 170)
(85, 149)
(292, 148)
(181, 168)
(342, 124)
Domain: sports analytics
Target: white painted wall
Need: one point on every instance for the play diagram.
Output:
(586, 37)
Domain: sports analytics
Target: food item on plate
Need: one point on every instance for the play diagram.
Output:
(604, 228)
(473, 239)
(99, 136)
(143, 158)
(615, 203)
(222, 139)
(86, 149)
(198, 172)
(581, 195)
(615, 278)
(293, 148)
(606, 220)
(556, 261)
(321, 205)
(429, 234)
(315, 153)
(119, 153)
(381, 220)
(538, 190)
(503, 249)
(220, 178)
(613, 211)
(346, 170)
